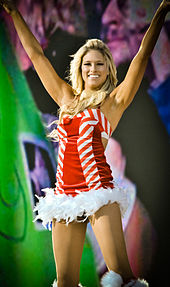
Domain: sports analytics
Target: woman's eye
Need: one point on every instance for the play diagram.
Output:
(88, 64)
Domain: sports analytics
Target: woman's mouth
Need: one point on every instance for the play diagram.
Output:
(93, 76)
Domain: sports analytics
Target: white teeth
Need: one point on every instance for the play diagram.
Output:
(93, 76)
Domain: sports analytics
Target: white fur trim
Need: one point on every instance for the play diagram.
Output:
(54, 283)
(62, 206)
(111, 279)
(137, 283)
(141, 283)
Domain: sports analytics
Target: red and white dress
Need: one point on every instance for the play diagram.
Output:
(84, 178)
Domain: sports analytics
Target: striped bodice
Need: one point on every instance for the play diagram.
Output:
(82, 164)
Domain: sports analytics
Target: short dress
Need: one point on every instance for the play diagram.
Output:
(84, 181)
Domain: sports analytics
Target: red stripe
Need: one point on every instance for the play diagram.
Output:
(62, 150)
(91, 114)
(82, 140)
(94, 184)
(60, 158)
(86, 155)
(59, 169)
(84, 130)
(91, 171)
(99, 116)
(93, 177)
(83, 149)
(83, 114)
(59, 172)
(60, 132)
(88, 163)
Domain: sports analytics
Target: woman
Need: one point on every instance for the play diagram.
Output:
(90, 110)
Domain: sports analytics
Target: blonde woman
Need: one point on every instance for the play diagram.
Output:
(90, 109)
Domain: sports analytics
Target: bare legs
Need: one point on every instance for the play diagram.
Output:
(107, 226)
(68, 244)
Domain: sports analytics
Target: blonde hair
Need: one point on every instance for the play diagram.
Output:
(90, 99)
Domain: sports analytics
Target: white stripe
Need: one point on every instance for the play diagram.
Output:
(87, 132)
(104, 135)
(60, 162)
(85, 152)
(86, 113)
(61, 154)
(84, 144)
(103, 120)
(82, 138)
(94, 111)
(96, 178)
(64, 141)
(62, 145)
(91, 174)
(89, 167)
(83, 125)
(87, 159)
(59, 180)
(57, 185)
(97, 185)
(62, 130)
(60, 188)
(59, 171)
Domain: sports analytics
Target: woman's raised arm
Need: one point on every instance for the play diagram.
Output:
(57, 88)
(126, 91)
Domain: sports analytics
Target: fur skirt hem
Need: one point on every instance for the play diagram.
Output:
(65, 207)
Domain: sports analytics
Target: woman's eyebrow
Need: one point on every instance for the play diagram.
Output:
(87, 61)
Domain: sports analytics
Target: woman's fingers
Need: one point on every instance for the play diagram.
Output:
(8, 5)
(166, 5)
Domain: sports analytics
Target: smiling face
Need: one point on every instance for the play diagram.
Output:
(94, 70)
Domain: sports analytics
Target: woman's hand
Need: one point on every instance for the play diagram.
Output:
(128, 88)
(165, 5)
(8, 5)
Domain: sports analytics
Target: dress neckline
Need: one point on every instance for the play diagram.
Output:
(68, 116)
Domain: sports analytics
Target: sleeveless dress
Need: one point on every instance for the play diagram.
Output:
(84, 179)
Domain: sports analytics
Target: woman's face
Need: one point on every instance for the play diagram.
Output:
(94, 70)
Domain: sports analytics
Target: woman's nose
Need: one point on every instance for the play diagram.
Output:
(93, 67)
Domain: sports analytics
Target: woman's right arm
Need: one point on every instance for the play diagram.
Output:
(57, 88)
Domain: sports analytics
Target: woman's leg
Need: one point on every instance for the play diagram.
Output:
(107, 226)
(68, 244)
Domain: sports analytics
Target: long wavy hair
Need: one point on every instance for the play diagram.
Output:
(84, 99)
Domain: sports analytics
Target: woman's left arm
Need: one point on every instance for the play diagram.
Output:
(126, 91)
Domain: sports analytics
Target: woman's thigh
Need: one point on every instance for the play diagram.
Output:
(68, 244)
(107, 226)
